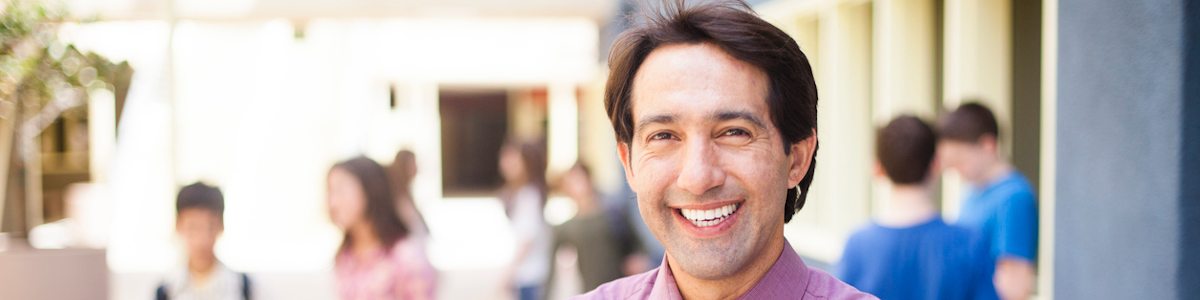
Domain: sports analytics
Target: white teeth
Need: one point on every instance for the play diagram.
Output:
(705, 218)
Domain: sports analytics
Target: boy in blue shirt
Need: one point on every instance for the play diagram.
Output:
(1000, 204)
(907, 251)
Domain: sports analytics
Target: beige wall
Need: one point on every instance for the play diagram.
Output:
(53, 274)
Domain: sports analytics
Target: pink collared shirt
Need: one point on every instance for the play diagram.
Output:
(788, 278)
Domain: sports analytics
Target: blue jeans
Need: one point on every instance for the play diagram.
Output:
(529, 292)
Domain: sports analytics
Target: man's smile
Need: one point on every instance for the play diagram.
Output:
(709, 219)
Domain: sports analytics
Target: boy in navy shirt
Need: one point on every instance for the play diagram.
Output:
(907, 251)
(1000, 204)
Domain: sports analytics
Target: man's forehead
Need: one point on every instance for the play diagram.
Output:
(697, 80)
(698, 62)
(197, 211)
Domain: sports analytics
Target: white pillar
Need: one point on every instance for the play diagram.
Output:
(840, 195)
(904, 59)
(978, 64)
(102, 132)
(563, 129)
(426, 125)
(905, 75)
(1045, 286)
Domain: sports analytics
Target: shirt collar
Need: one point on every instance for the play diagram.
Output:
(787, 277)
(1009, 176)
(664, 283)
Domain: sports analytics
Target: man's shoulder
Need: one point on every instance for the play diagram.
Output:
(865, 237)
(822, 285)
(951, 233)
(1015, 185)
(629, 287)
(867, 230)
(872, 235)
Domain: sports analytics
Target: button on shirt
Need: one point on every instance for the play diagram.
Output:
(788, 278)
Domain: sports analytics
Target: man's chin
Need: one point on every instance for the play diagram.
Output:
(711, 262)
(710, 270)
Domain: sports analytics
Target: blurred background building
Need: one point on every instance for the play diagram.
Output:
(1098, 101)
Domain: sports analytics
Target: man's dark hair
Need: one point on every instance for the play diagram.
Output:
(968, 123)
(739, 32)
(380, 210)
(905, 148)
(200, 196)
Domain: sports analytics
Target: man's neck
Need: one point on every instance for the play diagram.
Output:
(732, 286)
(908, 205)
(200, 268)
(996, 171)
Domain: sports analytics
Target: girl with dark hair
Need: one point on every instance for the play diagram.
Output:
(523, 166)
(378, 258)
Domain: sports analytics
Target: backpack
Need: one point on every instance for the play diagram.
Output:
(161, 293)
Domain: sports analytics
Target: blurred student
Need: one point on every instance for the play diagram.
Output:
(378, 258)
(1000, 203)
(199, 220)
(907, 251)
(523, 166)
(402, 171)
(600, 254)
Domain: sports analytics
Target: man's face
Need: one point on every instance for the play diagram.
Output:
(706, 162)
(970, 160)
(199, 229)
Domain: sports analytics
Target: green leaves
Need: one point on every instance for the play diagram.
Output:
(35, 64)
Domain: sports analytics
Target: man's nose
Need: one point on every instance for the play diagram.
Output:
(701, 170)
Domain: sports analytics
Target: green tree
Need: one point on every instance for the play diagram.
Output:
(42, 79)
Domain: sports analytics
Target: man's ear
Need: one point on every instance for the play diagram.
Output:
(801, 158)
(989, 143)
(877, 169)
(935, 167)
(623, 152)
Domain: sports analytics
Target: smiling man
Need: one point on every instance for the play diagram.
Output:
(715, 113)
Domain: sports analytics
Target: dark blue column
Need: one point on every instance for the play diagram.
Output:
(1127, 150)
(1189, 193)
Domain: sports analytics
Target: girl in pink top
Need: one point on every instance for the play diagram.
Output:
(379, 258)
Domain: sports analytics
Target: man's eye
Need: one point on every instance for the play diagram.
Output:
(736, 132)
(661, 136)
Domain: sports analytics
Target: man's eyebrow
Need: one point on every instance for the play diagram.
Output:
(654, 119)
(742, 115)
